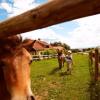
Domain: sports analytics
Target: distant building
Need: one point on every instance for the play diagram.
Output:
(35, 46)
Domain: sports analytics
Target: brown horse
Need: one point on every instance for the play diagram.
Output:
(14, 70)
(61, 58)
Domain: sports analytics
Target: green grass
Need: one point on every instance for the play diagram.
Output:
(49, 83)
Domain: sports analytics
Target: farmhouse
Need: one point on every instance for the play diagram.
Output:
(35, 46)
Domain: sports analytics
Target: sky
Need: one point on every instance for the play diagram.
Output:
(79, 33)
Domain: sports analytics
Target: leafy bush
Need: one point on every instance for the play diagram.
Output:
(48, 52)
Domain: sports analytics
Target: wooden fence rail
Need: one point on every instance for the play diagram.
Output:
(51, 13)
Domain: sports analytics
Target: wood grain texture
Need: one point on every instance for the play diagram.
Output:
(54, 12)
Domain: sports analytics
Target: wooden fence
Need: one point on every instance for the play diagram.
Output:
(41, 57)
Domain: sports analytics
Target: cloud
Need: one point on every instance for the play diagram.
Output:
(87, 34)
(18, 6)
(57, 27)
(6, 6)
(24, 4)
(45, 34)
(21, 6)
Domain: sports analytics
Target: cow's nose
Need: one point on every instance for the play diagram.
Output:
(30, 98)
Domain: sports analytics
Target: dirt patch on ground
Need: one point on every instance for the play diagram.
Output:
(54, 85)
(42, 95)
(37, 97)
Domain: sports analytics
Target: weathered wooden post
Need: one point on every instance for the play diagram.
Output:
(90, 59)
(91, 65)
(96, 64)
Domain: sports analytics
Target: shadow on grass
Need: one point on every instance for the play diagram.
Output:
(54, 71)
(94, 90)
(57, 69)
(64, 74)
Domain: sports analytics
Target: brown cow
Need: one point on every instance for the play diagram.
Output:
(14, 70)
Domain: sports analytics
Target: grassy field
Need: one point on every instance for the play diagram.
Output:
(49, 83)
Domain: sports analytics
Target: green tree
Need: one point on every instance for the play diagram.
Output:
(67, 47)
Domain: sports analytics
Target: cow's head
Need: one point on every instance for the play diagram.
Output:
(14, 70)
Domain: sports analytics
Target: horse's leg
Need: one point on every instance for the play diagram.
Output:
(60, 63)
(63, 61)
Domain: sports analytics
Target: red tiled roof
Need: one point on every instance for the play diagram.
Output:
(27, 42)
(43, 42)
(37, 44)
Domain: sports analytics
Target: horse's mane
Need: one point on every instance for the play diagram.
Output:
(10, 44)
